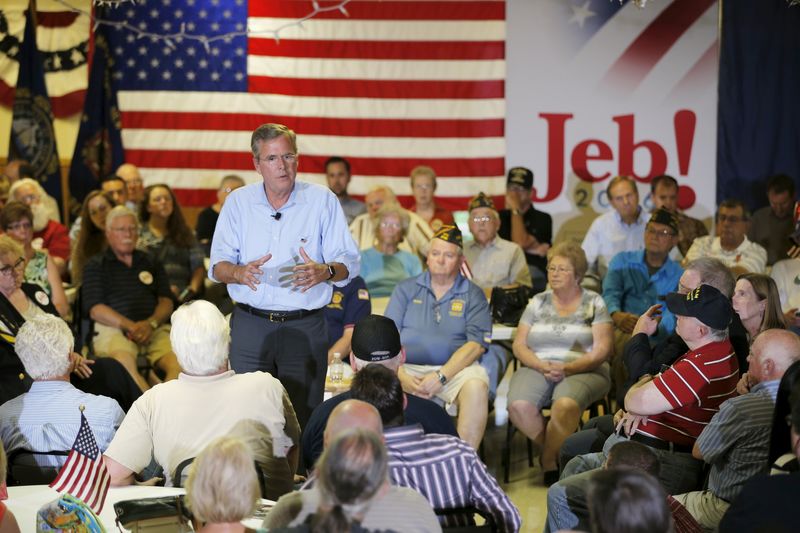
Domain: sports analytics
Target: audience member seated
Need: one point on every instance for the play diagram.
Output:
(91, 238)
(445, 327)
(637, 280)
(731, 245)
(349, 304)
(667, 412)
(769, 503)
(493, 261)
(526, 226)
(384, 265)
(443, 468)
(423, 187)
(115, 188)
(782, 458)
(363, 226)
(756, 301)
(48, 416)
(641, 358)
(618, 230)
(376, 342)
(784, 274)
(222, 488)
(629, 500)
(176, 420)
(25, 171)
(40, 269)
(8, 522)
(21, 301)
(134, 185)
(337, 173)
(48, 233)
(11, 171)
(352, 474)
(563, 341)
(736, 441)
(127, 295)
(207, 219)
(166, 237)
(634, 457)
(773, 224)
(664, 194)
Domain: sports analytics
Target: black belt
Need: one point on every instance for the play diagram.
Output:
(278, 316)
(658, 444)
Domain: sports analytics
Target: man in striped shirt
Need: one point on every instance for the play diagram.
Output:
(443, 468)
(669, 411)
(736, 441)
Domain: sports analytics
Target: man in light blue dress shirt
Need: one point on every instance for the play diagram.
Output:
(48, 417)
(280, 246)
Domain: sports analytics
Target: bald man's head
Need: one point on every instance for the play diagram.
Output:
(352, 414)
(773, 351)
(133, 181)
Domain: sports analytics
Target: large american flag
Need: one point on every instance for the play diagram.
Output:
(84, 474)
(389, 86)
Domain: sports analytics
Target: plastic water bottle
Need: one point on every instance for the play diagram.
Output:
(337, 368)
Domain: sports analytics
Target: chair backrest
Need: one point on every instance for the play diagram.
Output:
(179, 478)
(464, 520)
(23, 469)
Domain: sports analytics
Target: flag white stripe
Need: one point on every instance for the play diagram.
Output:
(210, 178)
(311, 106)
(379, 69)
(380, 30)
(386, 147)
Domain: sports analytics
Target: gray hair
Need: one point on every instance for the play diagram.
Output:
(23, 182)
(268, 132)
(43, 345)
(119, 212)
(390, 195)
(714, 272)
(200, 337)
(392, 209)
(222, 484)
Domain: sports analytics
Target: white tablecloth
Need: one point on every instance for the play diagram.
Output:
(26, 501)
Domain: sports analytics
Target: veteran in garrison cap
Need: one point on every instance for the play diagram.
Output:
(445, 326)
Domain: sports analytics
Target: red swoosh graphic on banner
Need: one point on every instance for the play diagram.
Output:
(633, 66)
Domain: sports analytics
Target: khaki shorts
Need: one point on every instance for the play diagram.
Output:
(453, 386)
(108, 340)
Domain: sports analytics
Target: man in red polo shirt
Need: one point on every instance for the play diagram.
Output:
(668, 411)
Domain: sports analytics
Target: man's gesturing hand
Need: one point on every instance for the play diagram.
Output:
(250, 274)
(308, 274)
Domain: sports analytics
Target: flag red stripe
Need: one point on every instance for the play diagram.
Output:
(68, 104)
(377, 88)
(64, 472)
(315, 125)
(410, 50)
(385, 10)
(367, 166)
(55, 19)
(649, 47)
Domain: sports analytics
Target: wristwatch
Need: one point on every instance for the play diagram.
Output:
(331, 271)
(442, 377)
(153, 323)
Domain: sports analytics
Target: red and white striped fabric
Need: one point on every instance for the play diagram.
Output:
(62, 38)
(391, 86)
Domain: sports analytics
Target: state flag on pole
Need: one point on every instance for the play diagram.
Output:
(84, 475)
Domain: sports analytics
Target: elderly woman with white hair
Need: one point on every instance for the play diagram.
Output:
(174, 421)
(222, 488)
(384, 265)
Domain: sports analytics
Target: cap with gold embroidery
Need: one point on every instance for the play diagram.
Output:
(520, 176)
(481, 201)
(705, 303)
(662, 216)
(450, 234)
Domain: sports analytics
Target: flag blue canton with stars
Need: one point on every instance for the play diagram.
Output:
(147, 63)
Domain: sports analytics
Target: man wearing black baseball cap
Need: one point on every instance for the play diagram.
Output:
(523, 224)
(375, 341)
(667, 412)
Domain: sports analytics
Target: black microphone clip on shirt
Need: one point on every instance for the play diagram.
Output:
(276, 216)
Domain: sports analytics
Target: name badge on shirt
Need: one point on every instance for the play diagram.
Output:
(146, 277)
(41, 297)
(457, 308)
(416, 301)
